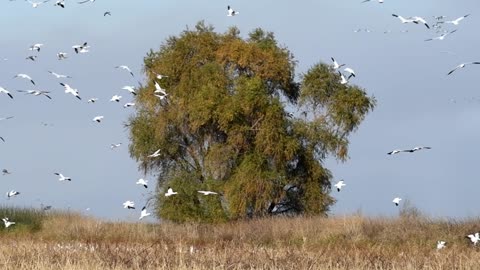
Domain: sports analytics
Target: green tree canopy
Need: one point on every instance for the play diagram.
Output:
(235, 121)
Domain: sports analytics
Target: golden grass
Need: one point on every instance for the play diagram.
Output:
(71, 241)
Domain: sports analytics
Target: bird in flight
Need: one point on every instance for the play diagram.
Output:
(231, 12)
(128, 105)
(441, 37)
(335, 64)
(5, 91)
(170, 192)
(457, 21)
(142, 182)
(81, 48)
(12, 193)
(126, 68)
(462, 66)
(70, 90)
(7, 222)
(130, 89)
(62, 55)
(144, 213)
(418, 20)
(343, 80)
(86, 1)
(206, 192)
(379, 1)
(24, 76)
(418, 148)
(60, 3)
(5, 172)
(92, 100)
(129, 205)
(98, 119)
(37, 4)
(339, 185)
(115, 145)
(36, 93)
(155, 154)
(474, 238)
(350, 71)
(116, 98)
(59, 76)
(36, 47)
(31, 57)
(396, 201)
(62, 177)
(402, 19)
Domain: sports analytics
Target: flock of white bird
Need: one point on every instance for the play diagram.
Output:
(161, 93)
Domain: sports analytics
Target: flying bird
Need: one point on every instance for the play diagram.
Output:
(129, 205)
(342, 78)
(98, 119)
(62, 177)
(339, 185)
(335, 64)
(142, 182)
(418, 148)
(231, 12)
(31, 57)
(418, 20)
(86, 1)
(36, 47)
(12, 193)
(379, 1)
(62, 55)
(474, 238)
(156, 154)
(402, 19)
(107, 13)
(7, 223)
(206, 192)
(6, 118)
(457, 21)
(37, 4)
(160, 76)
(441, 37)
(350, 71)
(170, 192)
(116, 98)
(24, 76)
(60, 3)
(144, 213)
(1, 138)
(36, 93)
(81, 48)
(59, 76)
(126, 68)
(5, 172)
(128, 104)
(462, 66)
(130, 89)
(70, 90)
(5, 91)
(396, 201)
(115, 145)
(92, 100)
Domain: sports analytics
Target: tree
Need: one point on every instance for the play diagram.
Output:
(231, 123)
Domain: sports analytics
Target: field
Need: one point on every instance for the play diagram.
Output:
(60, 240)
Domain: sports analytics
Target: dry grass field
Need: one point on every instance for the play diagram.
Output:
(71, 241)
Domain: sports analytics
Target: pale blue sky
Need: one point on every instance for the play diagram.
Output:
(406, 75)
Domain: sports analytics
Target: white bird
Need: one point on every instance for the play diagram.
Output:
(474, 238)
(418, 20)
(126, 68)
(36, 4)
(31, 57)
(81, 48)
(62, 177)
(62, 55)
(457, 21)
(6, 118)
(442, 37)
(24, 76)
(70, 90)
(379, 1)
(59, 76)
(206, 192)
(402, 19)
(335, 64)
(418, 148)
(92, 100)
(5, 91)
(128, 104)
(396, 151)
(142, 182)
(130, 89)
(36, 47)
(343, 80)
(60, 3)
(144, 213)
(129, 205)
(170, 192)
(116, 98)
(396, 201)
(158, 89)
(12, 193)
(231, 12)
(156, 154)
(115, 145)
(339, 185)
(7, 223)
(86, 1)
(35, 93)
(462, 66)
(441, 244)
(98, 119)
(160, 76)
(351, 71)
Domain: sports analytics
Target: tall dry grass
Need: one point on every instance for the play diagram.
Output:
(71, 241)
